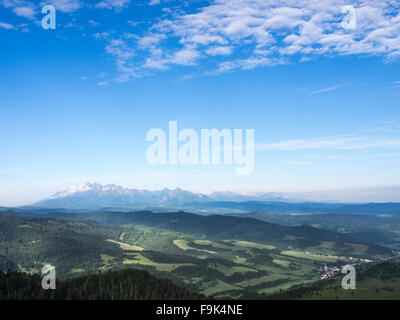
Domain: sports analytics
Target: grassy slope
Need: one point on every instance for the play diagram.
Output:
(381, 281)
(218, 227)
(224, 268)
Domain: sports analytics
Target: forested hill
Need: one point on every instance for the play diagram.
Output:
(226, 227)
(111, 285)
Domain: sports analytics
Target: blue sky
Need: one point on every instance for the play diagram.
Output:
(78, 101)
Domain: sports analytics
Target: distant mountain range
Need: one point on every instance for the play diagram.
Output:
(385, 209)
(95, 196)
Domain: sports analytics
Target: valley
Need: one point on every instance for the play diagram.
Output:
(218, 256)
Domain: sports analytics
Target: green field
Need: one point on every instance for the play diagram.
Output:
(247, 244)
(183, 244)
(309, 256)
(126, 246)
(223, 268)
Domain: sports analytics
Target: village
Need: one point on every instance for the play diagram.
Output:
(331, 271)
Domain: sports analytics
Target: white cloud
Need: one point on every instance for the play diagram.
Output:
(25, 12)
(29, 9)
(12, 3)
(93, 23)
(119, 49)
(150, 42)
(6, 26)
(112, 4)
(186, 56)
(265, 33)
(122, 54)
(102, 35)
(341, 142)
(247, 64)
(66, 5)
(133, 23)
(332, 88)
(217, 50)
(154, 2)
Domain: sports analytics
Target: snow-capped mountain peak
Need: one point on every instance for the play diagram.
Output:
(95, 195)
(87, 188)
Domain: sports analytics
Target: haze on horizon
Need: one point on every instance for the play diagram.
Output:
(360, 195)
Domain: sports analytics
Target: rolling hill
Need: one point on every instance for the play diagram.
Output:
(228, 227)
(209, 255)
(379, 229)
